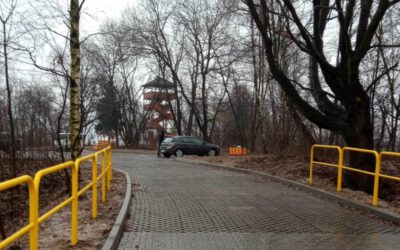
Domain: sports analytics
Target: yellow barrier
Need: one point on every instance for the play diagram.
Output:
(340, 166)
(25, 179)
(34, 188)
(386, 153)
(375, 174)
(237, 151)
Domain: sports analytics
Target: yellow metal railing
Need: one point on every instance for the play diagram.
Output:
(25, 179)
(34, 189)
(340, 166)
(312, 162)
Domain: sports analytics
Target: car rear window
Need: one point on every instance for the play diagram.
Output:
(194, 140)
(178, 139)
(168, 140)
(186, 140)
(197, 141)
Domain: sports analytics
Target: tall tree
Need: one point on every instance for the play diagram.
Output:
(345, 108)
(151, 32)
(6, 14)
(74, 138)
(204, 26)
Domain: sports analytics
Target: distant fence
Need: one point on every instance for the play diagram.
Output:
(35, 154)
(34, 189)
(340, 166)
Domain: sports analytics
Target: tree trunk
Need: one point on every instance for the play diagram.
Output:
(393, 137)
(204, 96)
(9, 105)
(116, 137)
(360, 135)
(189, 126)
(382, 129)
(67, 176)
(75, 80)
(204, 131)
(255, 121)
(178, 111)
(255, 125)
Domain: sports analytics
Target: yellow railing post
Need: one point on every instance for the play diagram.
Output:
(108, 169)
(312, 162)
(375, 173)
(311, 165)
(94, 187)
(110, 157)
(376, 178)
(34, 216)
(74, 203)
(340, 171)
(33, 239)
(103, 177)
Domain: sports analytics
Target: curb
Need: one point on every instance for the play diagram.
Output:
(115, 235)
(389, 216)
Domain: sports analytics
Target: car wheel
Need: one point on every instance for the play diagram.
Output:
(212, 152)
(166, 155)
(179, 153)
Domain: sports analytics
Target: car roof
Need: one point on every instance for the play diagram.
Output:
(186, 136)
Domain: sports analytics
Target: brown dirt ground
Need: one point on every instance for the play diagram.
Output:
(296, 168)
(55, 233)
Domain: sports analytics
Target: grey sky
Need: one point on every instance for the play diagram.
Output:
(100, 10)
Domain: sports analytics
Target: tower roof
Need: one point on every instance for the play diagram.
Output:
(159, 82)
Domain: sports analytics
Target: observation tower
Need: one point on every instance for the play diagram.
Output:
(159, 97)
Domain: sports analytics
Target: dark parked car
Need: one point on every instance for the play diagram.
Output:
(187, 145)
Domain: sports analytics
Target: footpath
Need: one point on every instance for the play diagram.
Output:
(183, 205)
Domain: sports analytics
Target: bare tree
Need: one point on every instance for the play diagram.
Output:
(150, 32)
(187, 53)
(133, 118)
(75, 117)
(349, 113)
(204, 25)
(7, 10)
(107, 56)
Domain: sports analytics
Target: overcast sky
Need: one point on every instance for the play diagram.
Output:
(95, 12)
(100, 10)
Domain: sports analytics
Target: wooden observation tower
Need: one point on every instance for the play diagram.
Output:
(159, 97)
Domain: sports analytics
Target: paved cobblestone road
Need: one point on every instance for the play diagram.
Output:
(185, 206)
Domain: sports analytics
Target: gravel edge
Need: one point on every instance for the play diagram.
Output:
(117, 230)
(392, 217)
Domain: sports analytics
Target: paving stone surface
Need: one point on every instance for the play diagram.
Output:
(178, 205)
